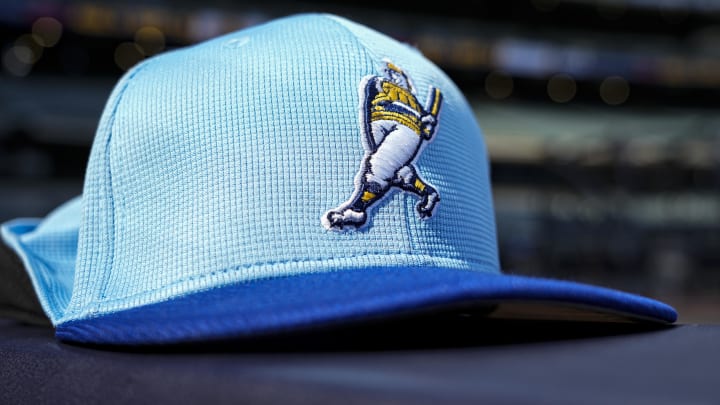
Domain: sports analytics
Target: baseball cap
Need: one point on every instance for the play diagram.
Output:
(303, 172)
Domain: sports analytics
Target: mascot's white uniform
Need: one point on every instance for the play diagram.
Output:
(395, 129)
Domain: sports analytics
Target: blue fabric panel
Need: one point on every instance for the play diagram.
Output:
(48, 249)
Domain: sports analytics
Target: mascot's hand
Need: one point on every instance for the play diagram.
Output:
(428, 127)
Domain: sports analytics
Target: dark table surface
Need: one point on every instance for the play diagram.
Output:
(441, 360)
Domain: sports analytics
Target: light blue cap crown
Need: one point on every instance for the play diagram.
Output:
(217, 165)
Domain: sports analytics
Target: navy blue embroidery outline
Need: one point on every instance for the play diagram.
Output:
(354, 212)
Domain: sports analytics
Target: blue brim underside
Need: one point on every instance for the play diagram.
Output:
(283, 304)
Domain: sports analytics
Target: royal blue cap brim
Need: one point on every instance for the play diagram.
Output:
(299, 302)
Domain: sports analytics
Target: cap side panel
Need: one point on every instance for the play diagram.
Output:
(97, 231)
(48, 249)
(223, 154)
(53, 291)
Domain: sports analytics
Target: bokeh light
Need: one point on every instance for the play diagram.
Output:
(150, 40)
(14, 66)
(499, 85)
(47, 31)
(614, 90)
(127, 54)
(561, 88)
(27, 49)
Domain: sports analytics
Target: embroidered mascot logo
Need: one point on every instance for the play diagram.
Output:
(395, 128)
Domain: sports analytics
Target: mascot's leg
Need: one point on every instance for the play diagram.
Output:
(408, 179)
(378, 172)
(354, 212)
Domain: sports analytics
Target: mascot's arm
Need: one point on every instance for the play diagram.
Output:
(429, 118)
(373, 87)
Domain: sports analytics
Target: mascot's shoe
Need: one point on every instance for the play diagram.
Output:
(426, 206)
(340, 219)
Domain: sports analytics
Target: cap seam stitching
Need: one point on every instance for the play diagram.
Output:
(111, 126)
(483, 264)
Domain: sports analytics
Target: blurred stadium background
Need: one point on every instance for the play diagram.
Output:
(601, 118)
